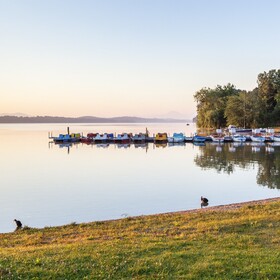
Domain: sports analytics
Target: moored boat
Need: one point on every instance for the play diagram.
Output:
(63, 138)
(161, 138)
(89, 138)
(139, 138)
(101, 138)
(123, 138)
(217, 138)
(276, 137)
(257, 138)
(177, 138)
(199, 138)
(238, 138)
(188, 138)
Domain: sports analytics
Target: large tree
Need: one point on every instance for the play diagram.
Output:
(211, 105)
(243, 110)
(269, 91)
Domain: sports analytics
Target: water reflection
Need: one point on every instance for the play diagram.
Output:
(52, 184)
(204, 204)
(222, 157)
(227, 158)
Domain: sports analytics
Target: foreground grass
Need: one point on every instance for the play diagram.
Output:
(239, 243)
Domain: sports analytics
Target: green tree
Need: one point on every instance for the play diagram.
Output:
(244, 109)
(269, 92)
(211, 105)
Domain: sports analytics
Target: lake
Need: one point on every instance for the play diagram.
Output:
(43, 184)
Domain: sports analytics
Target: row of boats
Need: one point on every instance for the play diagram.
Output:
(164, 138)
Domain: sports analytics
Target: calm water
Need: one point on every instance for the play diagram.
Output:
(43, 184)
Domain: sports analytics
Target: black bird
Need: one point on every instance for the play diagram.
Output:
(204, 199)
(18, 223)
(204, 202)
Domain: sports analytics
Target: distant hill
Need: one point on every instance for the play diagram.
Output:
(14, 114)
(86, 119)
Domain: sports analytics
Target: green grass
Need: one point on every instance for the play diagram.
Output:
(239, 243)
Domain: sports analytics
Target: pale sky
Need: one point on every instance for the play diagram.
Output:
(130, 57)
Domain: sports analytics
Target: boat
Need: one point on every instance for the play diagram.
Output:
(101, 138)
(123, 138)
(89, 138)
(199, 138)
(161, 138)
(276, 137)
(238, 138)
(257, 138)
(228, 138)
(217, 138)
(233, 129)
(188, 138)
(177, 138)
(139, 138)
(64, 138)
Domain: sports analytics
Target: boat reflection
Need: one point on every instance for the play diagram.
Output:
(102, 145)
(172, 144)
(141, 145)
(256, 149)
(199, 144)
(160, 145)
(124, 146)
(269, 149)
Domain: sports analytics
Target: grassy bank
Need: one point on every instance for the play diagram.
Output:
(218, 243)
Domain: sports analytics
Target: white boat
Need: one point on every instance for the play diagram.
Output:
(188, 138)
(122, 138)
(140, 137)
(100, 137)
(257, 138)
(228, 138)
(177, 138)
(233, 129)
(217, 138)
(276, 137)
(238, 138)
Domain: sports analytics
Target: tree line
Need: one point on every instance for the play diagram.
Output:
(225, 105)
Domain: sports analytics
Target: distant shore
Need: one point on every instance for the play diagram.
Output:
(88, 119)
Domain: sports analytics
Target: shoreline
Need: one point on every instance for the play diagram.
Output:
(223, 207)
(217, 208)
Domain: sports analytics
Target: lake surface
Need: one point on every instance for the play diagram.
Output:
(44, 184)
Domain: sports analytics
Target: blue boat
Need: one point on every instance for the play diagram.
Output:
(64, 138)
(198, 138)
(177, 138)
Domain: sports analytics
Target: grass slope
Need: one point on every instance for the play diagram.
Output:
(235, 243)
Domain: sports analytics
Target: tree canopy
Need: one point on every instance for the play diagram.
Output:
(225, 105)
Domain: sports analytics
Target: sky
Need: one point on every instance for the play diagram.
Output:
(130, 57)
